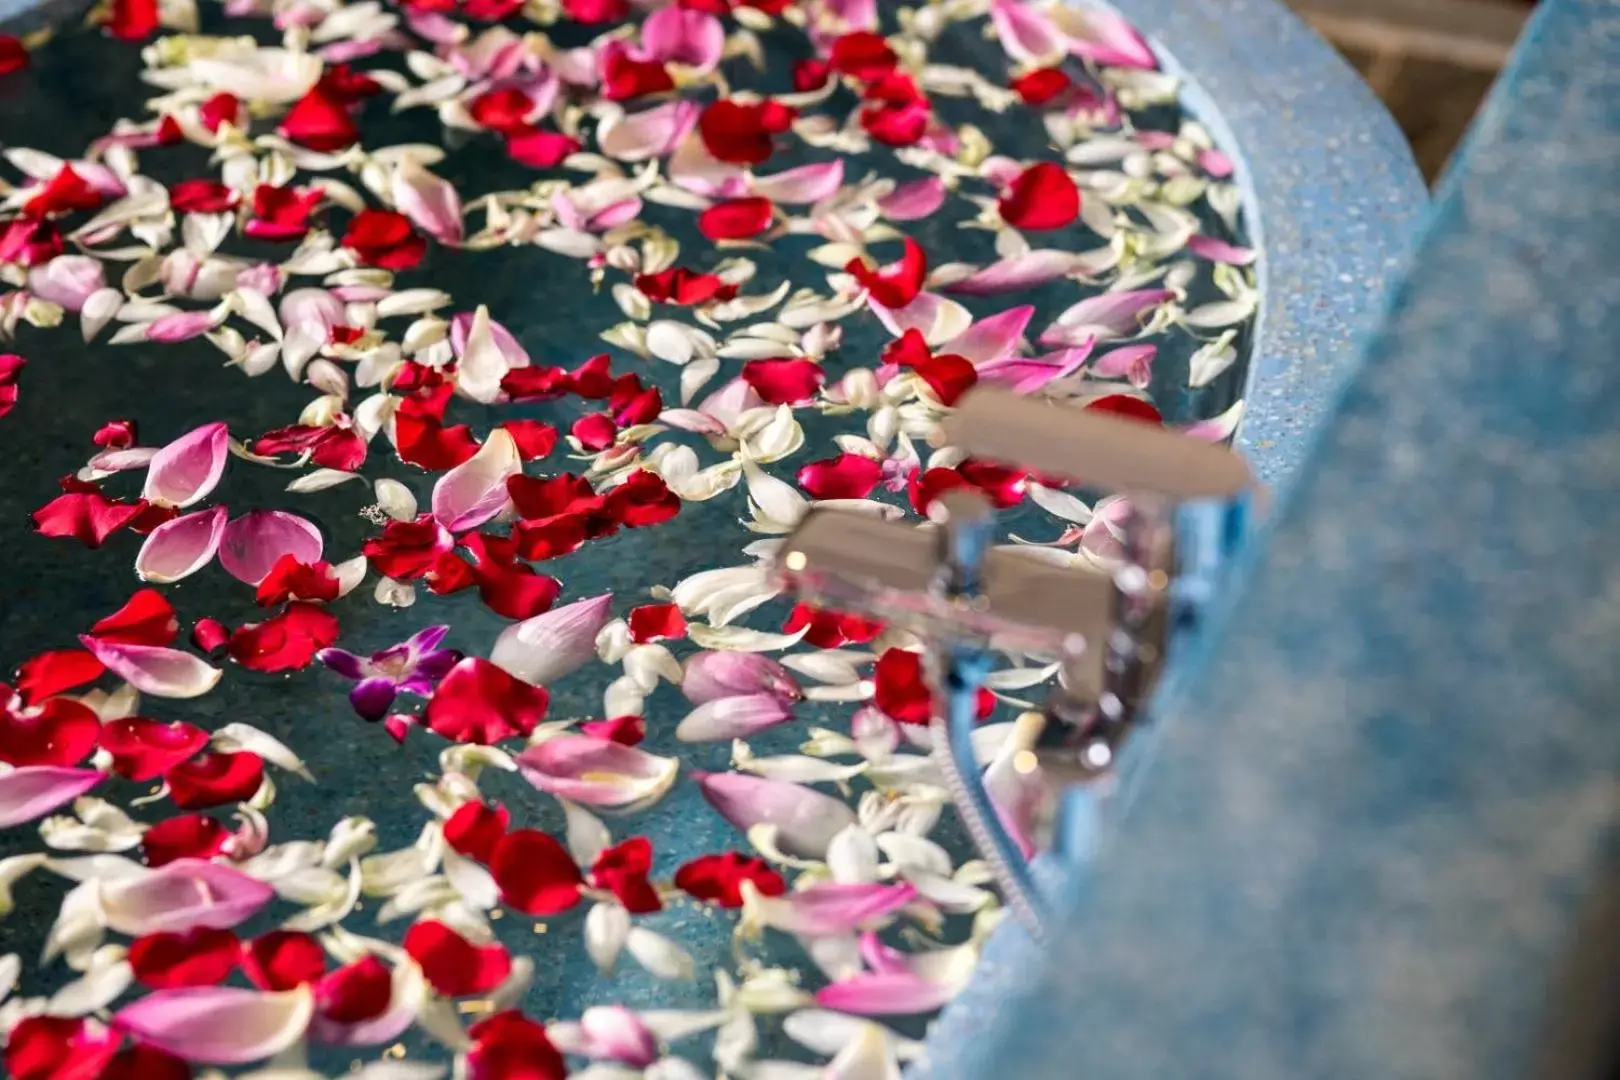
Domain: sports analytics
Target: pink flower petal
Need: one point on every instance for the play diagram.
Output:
(475, 491)
(1026, 376)
(67, 280)
(219, 1025)
(1109, 315)
(1131, 362)
(186, 470)
(484, 356)
(607, 1033)
(1208, 247)
(914, 200)
(1017, 273)
(651, 133)
(805, 184)
(834, 908)
(684, 36)
(429, 201)
(404, 1001)
(543, 649)
(805, 819)
(509, 348)
(1028, 36)
(597, 772)
(695, 169)
(181, 546)
(991, 338)
(710, 676)
(884, 994)
(1217, 163)
(180, 327)
(1104, 37)
(154, 669)
(181, 895)
(727, 718)
(252, 543)
(35, 790)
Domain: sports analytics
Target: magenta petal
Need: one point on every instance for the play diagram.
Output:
(884, 994)
(252, 543)
(835, 908)
(684, 36)
(181, 546)
(805, 819)
(608, 1033)
(33, 791)
(1105, 37)
(804, 184)
(1132, 362)
(180, 327)
(182, 895)
(597, 772)
(373, 697)
(219, 1025)
(154, 669)
(727, 718)
(914, 200)
(475, 491)
(1208, 247)
(186, 470)
(712, 675)
(1017, 273)
(991, 338)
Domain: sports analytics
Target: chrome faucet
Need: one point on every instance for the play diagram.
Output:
(1111, 631)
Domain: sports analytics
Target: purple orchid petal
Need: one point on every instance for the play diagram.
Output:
(373, 697)
(426, 640)
(342, 661)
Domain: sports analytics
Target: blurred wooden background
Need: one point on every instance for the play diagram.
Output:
(1430, 60)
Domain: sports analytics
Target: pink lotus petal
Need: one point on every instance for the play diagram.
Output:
(182, 895)
(1208, 247)
(429, 201)
(695, 169)
(154, 669)
(607, 1033)
(683, 36)
(67, 280)
(728, 403)
(510, 349)
(1019, 272)
(180, 327)
(597, 772)
(1131, 362)
(181, 546)
(833, 908)
(33, 791)
(1104, 37)
(991, 338)
(805, 184)
(884, 994)
(254, 542)
(651, 133)
(926, 314)
(475, 491)
(1028, 36)
(433, 26)
(914, 200)
(484, 356)
(111, 461)
(613, 215)
(307, 318)
(1026, 376)
(543, 649)
(1109, 315)
(727, 718)
(219, 1025)
(709, 676)
(186, 470)
(805, 819)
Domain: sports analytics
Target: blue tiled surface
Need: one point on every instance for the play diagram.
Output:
(1377, 802)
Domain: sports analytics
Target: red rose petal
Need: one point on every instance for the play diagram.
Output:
(215, 779)
(737, 219)
(59, 1048)
(535, 873)
(596, 432)
(719, 878)
(59, 732)
(145, 1063)
(625, 78)
(903, 694)
(1131, 408)
(786, 381)
(115, 434)
(510, 1046)
(454, 966)
(478, 702)
(53, 672)
(283, 960)
(534, 438)
(356, 992)
(596, 12)
(847, 476)
(13, 54)
(319, 122)
(896, 286)
(810, 75)
(86, 516)
(474, 830)
(897, 125)
(190, 836)
(643, 499)
(1043, 197)
(863, 55)
(281, 213)
(742, 133)
(624, 730)
(540, 149)
(287, 642)
(408, 549)
(385, 238)
(290, 579)
(830, 629)
(1042, 86)
(202, 197)
(198, 957)
(11, 366)
(219, 110)
(1004, 485)
(622, 870)
(147, 618)
(132, 20)
(656, 622)
(678, 285)
(948, 377)
(145, 749)
(505, 110)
